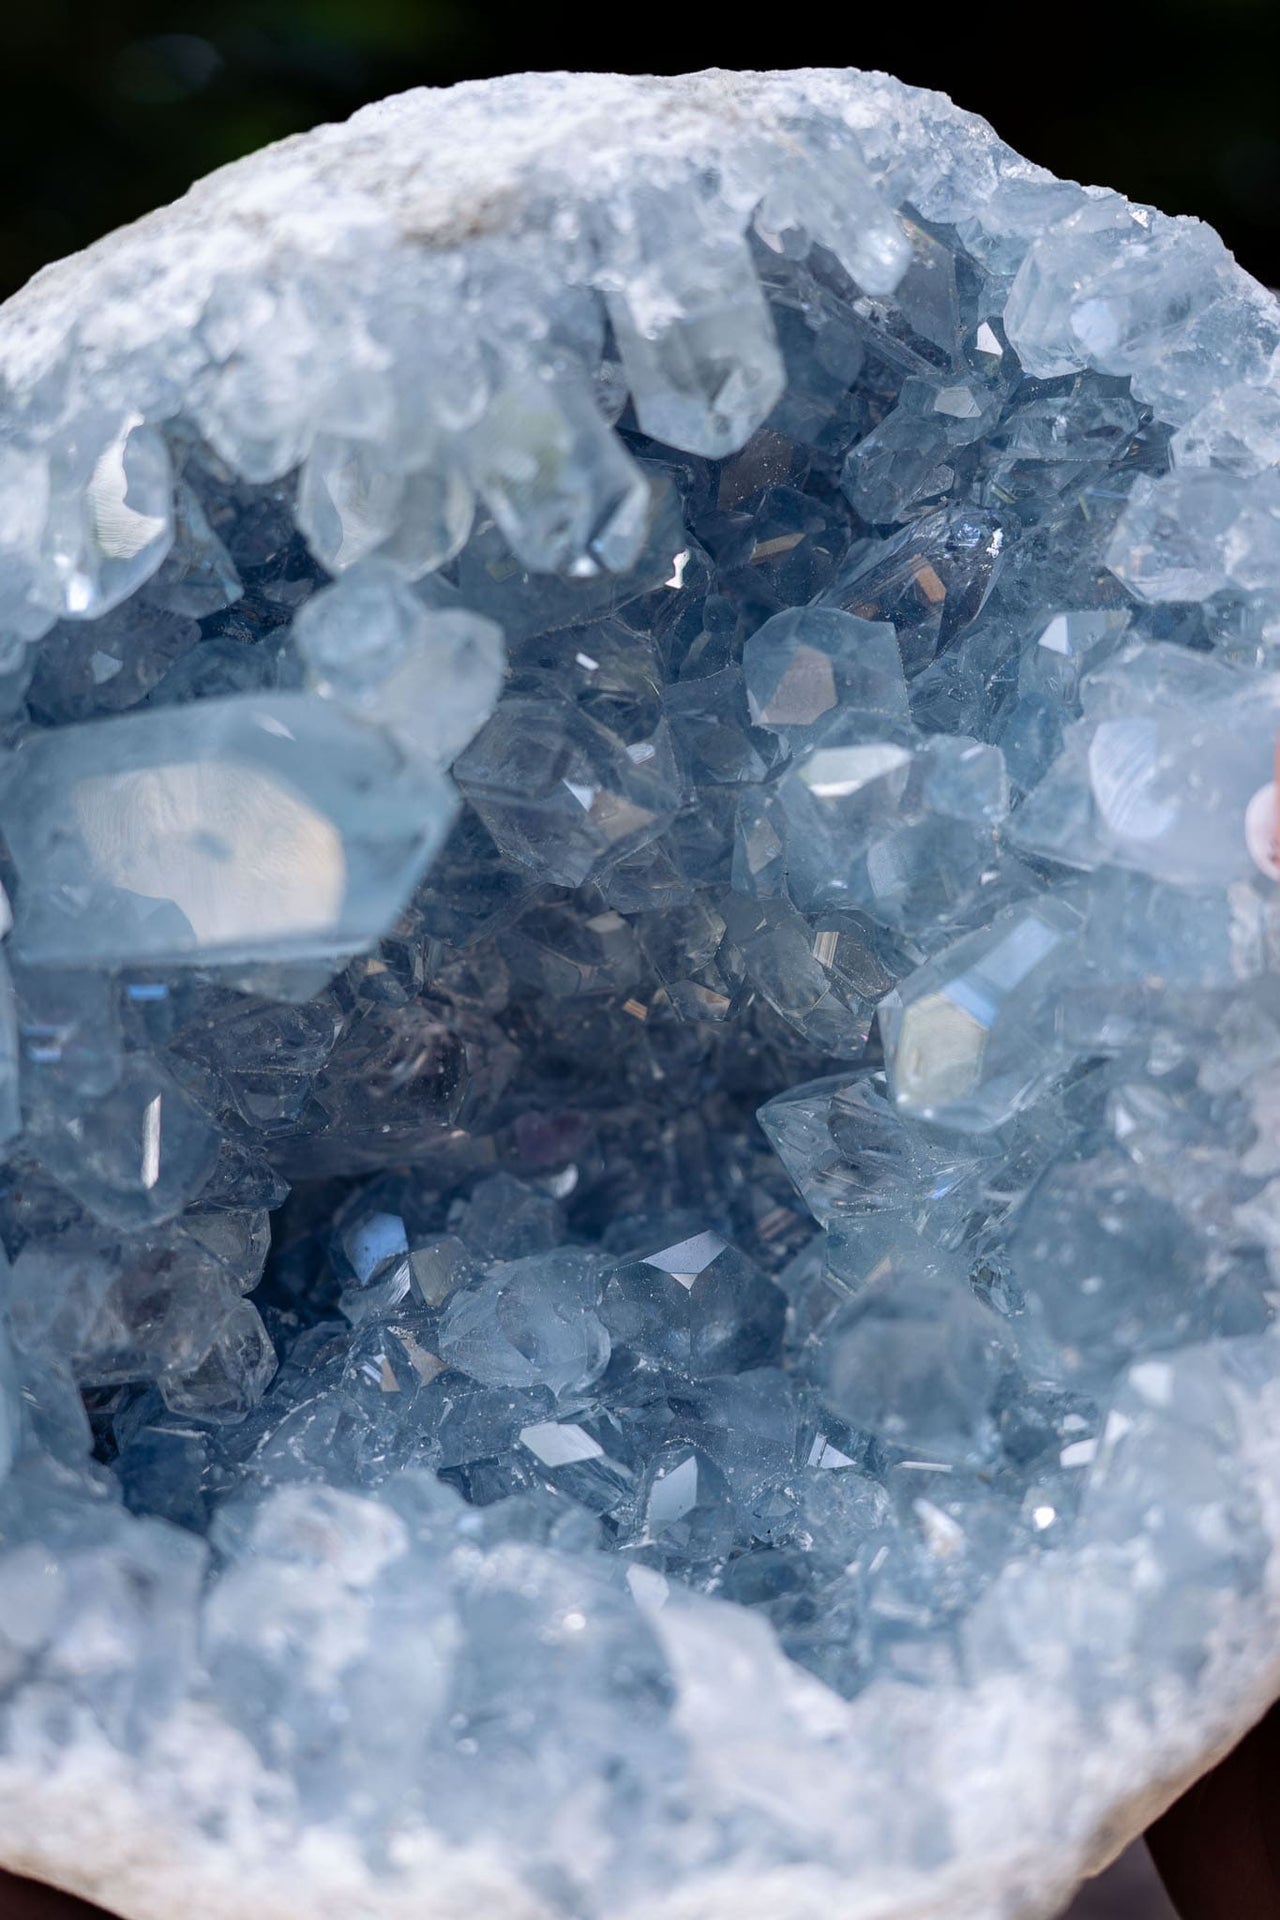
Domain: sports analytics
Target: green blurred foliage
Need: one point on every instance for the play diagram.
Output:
(109, 108)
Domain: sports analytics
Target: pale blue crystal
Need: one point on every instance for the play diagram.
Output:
(1070, 643)
(802, 665)
(255, 827)
(137, 1154)
(851, 1153)
(110, 517)
(972, 1036)
(84, 668)
(638, 1045)
(824, 974)
(119, 1309)
(1081, 1249)
(693, 1308)
(531, 1322)
(1237, 431)
(10, 1408)
(687, 1513)
(929, 581)
(876, 816)
(429, 678)
(231, 1374)
(692, 327)
(1119, 288)
(1197, 531)
(559, 792)
(354, 504)
(915, 1359)
(197, 576)
(1123, 792)
(564, 492)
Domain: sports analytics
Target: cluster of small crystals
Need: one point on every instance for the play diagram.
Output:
(814, 657)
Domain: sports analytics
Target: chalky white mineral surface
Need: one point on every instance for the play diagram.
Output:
(536, 626)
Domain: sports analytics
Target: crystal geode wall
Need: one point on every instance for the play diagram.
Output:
(540, 626)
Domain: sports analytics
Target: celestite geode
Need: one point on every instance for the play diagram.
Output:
(537, 627)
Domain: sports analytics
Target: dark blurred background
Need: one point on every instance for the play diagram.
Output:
(109, 107)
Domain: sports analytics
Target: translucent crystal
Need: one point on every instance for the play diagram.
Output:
(252, 827)
(564, 492)
(197, 577)
(119, 1309)
(1237, 431)
(972, 1036)
(353, 505)
(10, 1409)
(1187, 1534)
(688, 1515)
(136, 1154)
(1076, 1249)
(1114, 286)
(560, 793)
(1195, 532)
(279, 346)
(1122, 791)
(532, 1322)
(850, 1152)
(803, 664)
(930, 581)
(693, 1308)
(915, 1359)
(824, 974)
(231, 1375)
(877, 817)
(10, 1053)
(110, 516)
(908, 461)
(84, 668)
(693, 330)
(837, 199)
(429, 679)
(28, 602)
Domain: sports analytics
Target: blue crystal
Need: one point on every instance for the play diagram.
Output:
(803, 664)
(914, 1359)
(972, 1036)
(531, 1322)
(240, 828)
(638, 1045)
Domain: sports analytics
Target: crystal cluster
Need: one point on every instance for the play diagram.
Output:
(640, 1030)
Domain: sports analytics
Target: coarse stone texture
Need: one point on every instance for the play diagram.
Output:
(639, 1034)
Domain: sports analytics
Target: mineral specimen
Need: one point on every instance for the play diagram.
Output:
(535, 627)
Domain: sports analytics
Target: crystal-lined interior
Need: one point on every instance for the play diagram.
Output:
(479, 742)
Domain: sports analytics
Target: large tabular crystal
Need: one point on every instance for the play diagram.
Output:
(253, 828)
(639, 1044)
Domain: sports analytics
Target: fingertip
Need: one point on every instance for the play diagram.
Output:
(1217, 1849)
(22, 1899)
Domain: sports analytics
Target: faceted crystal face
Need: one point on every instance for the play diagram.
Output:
(639, 1052)
(916, 1362)
(808, 661)
(248, 828)
(971, 1037)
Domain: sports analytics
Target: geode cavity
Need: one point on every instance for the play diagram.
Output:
(639, 1044)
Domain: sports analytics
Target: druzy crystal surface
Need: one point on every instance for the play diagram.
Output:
(639, 1034)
